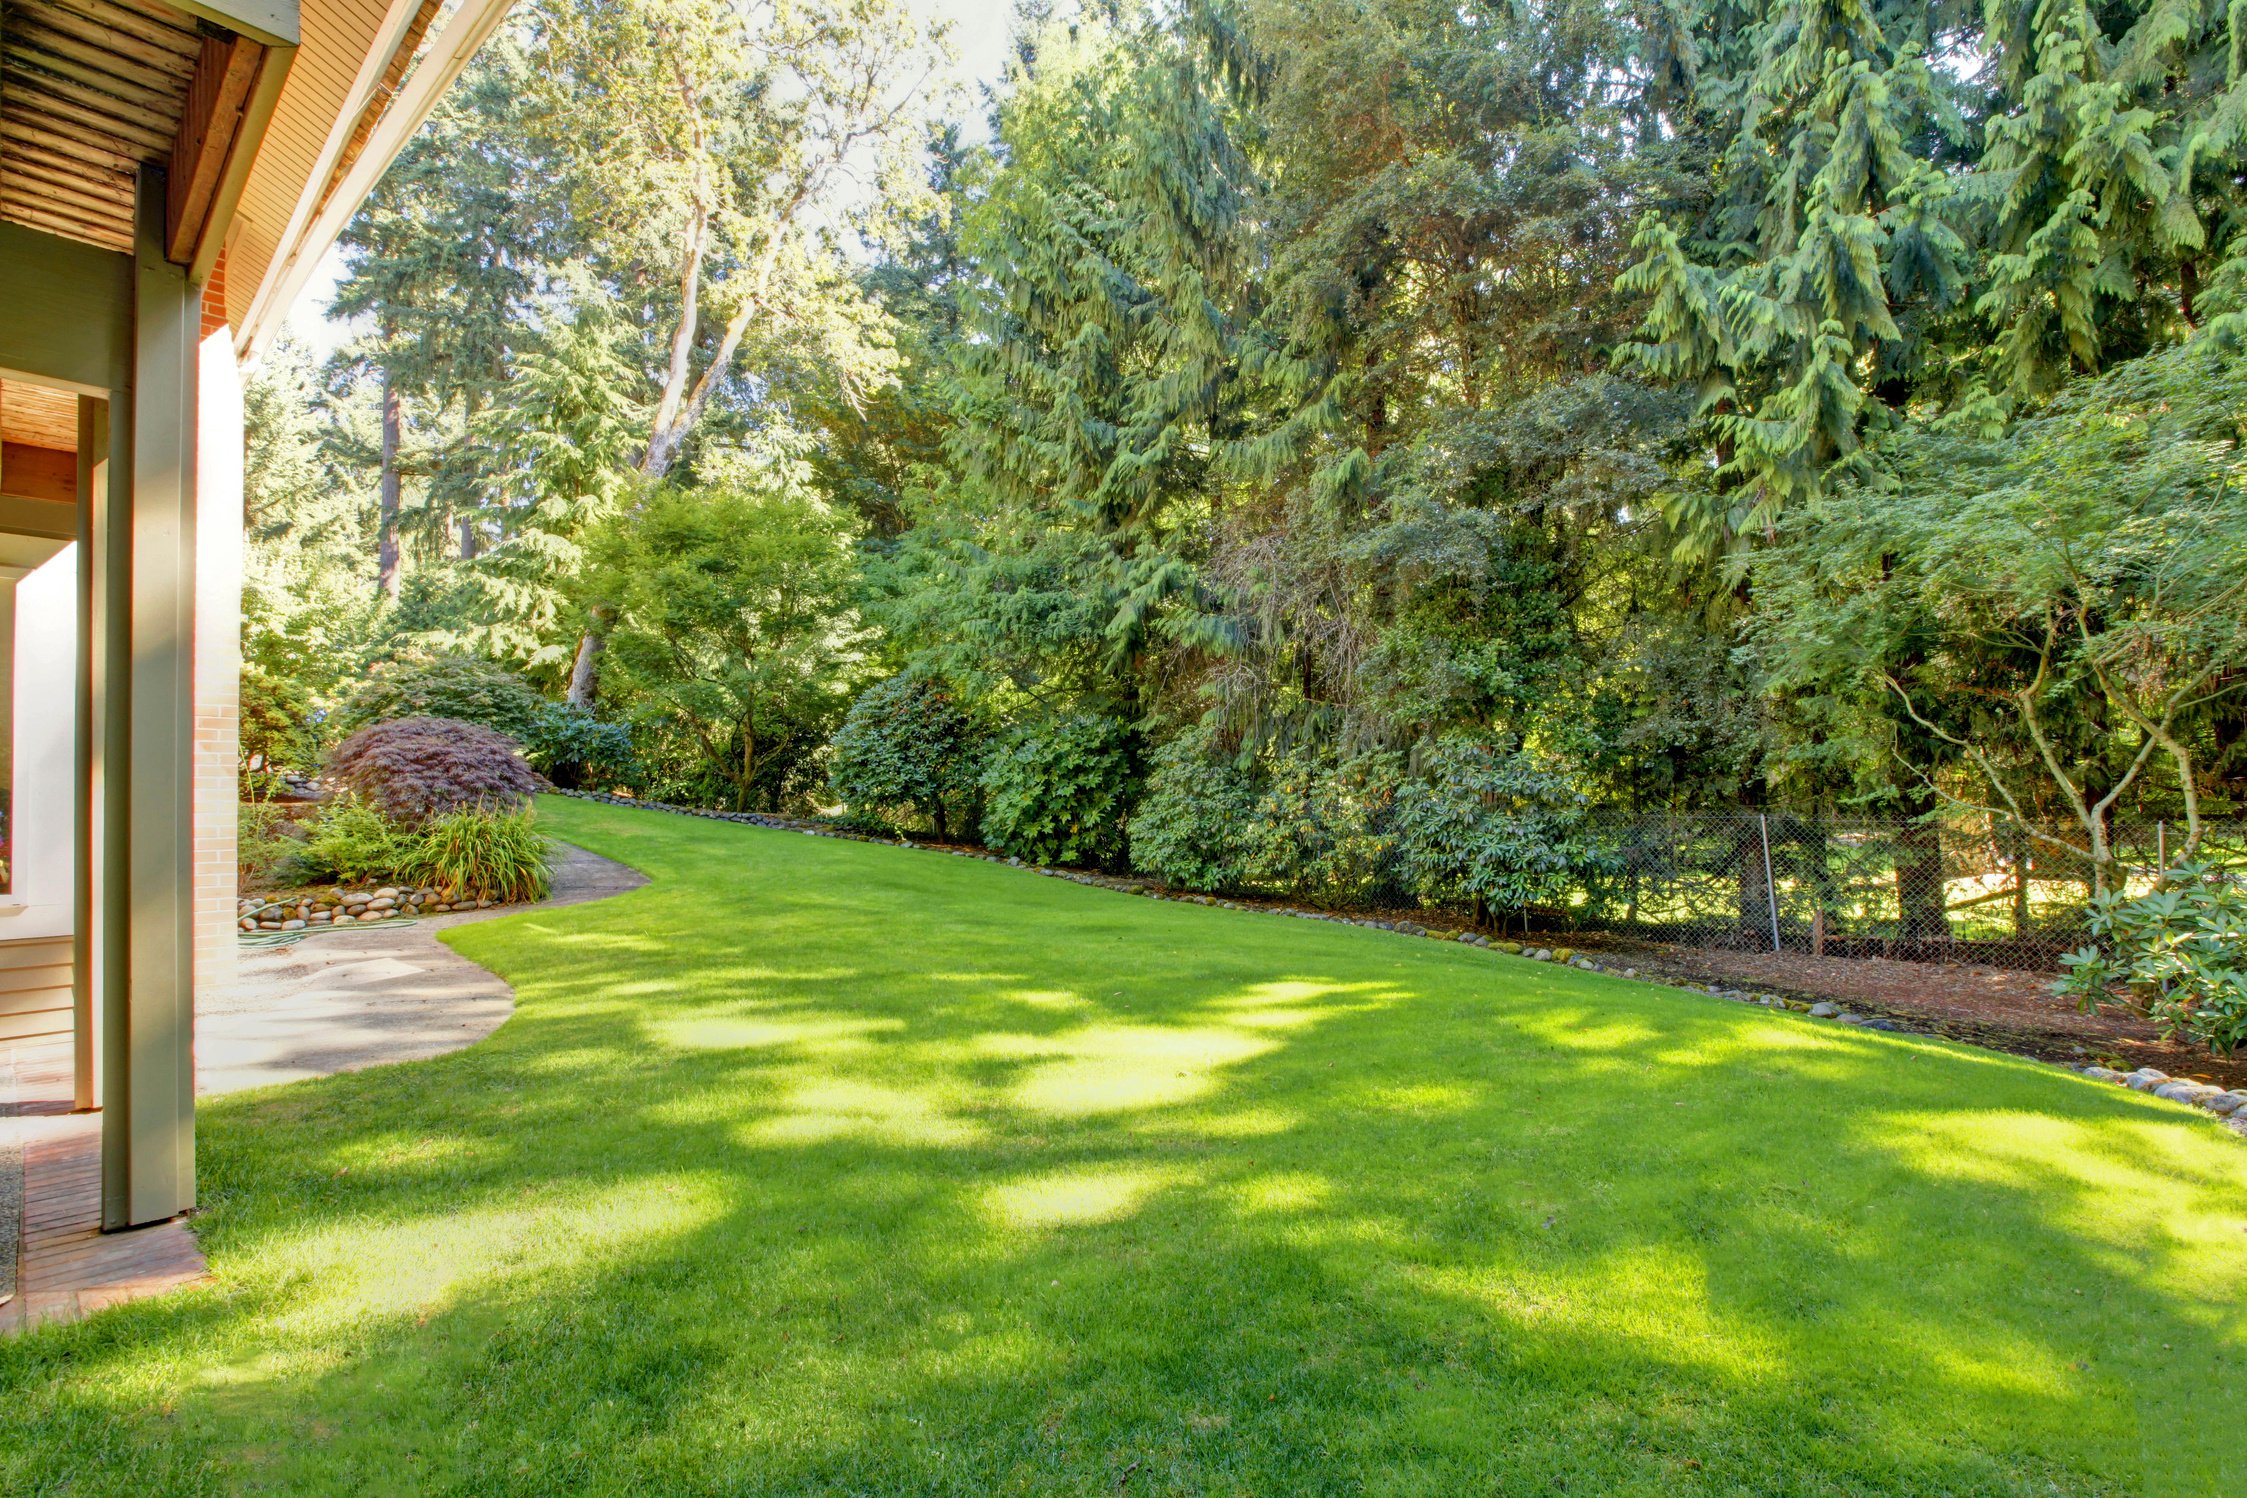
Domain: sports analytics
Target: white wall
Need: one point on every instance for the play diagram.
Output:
(218, 654)
(46, 780)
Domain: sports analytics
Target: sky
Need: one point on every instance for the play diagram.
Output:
(979, 38)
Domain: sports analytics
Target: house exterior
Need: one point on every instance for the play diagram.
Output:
(171, 173)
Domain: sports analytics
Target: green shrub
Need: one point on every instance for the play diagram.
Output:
(352, 842)
(1059, 791)
(2179, 952)
(1195, 825)
(461, 687)
(268, 848)
(907, 743)
(571, 747)
(1323, 827)
(1487, 825)
(277, 733)
(416, 768)
(472, 854)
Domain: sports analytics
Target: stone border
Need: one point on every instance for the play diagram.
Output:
(2230, 1107)
(337, 906)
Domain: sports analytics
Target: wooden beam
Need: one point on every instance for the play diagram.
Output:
(209, 129)
(65, 195)
(42, 518)
(249, 134)
(40, 475)
(148, 69)
(67, 316)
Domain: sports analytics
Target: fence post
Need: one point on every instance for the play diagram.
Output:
(1770, 886)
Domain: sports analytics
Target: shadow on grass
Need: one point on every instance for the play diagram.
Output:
(826, 1168)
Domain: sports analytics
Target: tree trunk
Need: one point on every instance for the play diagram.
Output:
(386, 528)
(1752, 902)
(471, 544)
(584, 674)
(1920, 891)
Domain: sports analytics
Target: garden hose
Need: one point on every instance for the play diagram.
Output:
(261, 940)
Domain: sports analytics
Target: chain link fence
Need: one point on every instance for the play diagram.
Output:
(1837, 887)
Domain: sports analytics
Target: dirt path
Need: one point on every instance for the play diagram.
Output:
(341, 1000)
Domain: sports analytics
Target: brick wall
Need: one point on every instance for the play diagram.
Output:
(214, 298)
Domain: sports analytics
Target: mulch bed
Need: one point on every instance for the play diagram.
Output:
(2003, 1008)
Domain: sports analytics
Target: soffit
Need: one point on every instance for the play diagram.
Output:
(89, 90)
(38, 416)
(338, 38)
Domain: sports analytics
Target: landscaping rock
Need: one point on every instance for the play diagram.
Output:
(2102, 1074)
(2225, 1104)
(2186, 1092)
(1824, 1011)
(2145, 1079)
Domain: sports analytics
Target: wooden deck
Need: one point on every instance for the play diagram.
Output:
(68, 1266)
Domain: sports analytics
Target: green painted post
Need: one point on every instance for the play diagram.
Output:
(93, 482)
(147, 894)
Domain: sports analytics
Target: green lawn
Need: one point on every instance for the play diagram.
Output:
(827, 1167)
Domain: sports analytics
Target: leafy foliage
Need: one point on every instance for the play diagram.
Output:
(1486, 824)
(2055, 611)
(1195, 823)
(2179, 951)
(907, 743)
(353, 841)
(1060, 790)
(442, 686)
(269, 847)
(731, 637)
(412, 769)
(571, 747)
(1820, 404)
(1325, 827)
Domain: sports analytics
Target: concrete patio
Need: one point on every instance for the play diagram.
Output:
(338, 1001)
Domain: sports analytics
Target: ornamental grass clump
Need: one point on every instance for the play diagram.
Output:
(418, 768)
(473, 854)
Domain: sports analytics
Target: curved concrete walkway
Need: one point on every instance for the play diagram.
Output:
(341, 1000)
